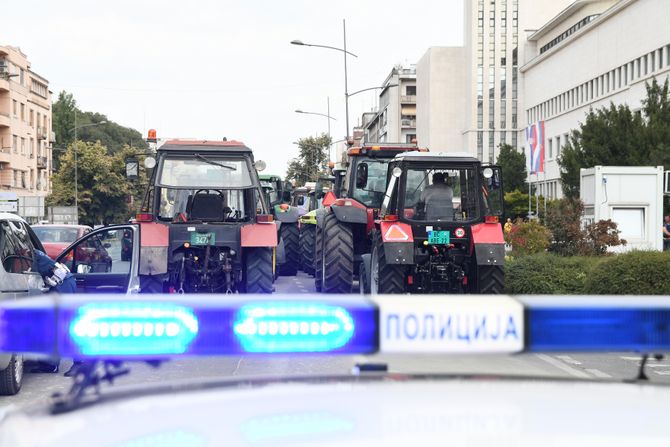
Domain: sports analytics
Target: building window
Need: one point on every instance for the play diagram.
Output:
(15, 108)
(23, 146)
(22, 76)
(480, 145)
(480, 114)
(491, 147)
(503, 114)
(492, 123)
(514, 139)
(550, 149)
(15, 144)
(410, 90)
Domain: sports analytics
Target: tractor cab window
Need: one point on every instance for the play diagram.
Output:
(270, 192)
(433, 194)
(207, 205)
(370, 182)
(492, 190)
(205, 171)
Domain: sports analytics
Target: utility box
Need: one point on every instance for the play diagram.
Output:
(631, 196)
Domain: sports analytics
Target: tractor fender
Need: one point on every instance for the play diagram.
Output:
(291, 215)
(154, 243)
(259, 235)
(398, 242)
(489, 244)
(350, 214)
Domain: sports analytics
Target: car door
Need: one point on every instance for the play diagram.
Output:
(105, 260)
(16, 252)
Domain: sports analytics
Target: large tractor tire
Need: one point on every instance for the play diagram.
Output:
(490, 279)
(11, 377)
(384, 278)
(318, 257)
(258, 270)
(307, 241)
(338, 256)
(290, 234)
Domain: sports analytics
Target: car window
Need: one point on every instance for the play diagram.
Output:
(57, 234)
(16, 249)
(108, 251)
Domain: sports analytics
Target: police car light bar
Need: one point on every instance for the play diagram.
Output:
(112, 327)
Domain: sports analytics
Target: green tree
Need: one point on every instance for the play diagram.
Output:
(112, 135)
(513, 166)
(103, 188)
(311, 161)
(615, 135)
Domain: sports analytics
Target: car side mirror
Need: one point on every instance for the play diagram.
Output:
(286, 196)
(107, 245)
(362, 175)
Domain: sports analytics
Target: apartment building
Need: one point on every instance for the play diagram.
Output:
(395, 120)
(591, 54)
(469, 97)
(25, 126)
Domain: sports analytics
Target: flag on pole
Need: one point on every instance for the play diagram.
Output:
(535, 147)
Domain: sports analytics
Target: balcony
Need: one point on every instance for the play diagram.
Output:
(41, 133)
(408, 99)
(4, 120)
(5, 154)
(4, 84)
(42, 162)
(408, 124)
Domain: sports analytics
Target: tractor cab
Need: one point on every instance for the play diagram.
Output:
(438, 229)
(203, 222)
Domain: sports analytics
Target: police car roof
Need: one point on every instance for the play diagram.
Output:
(436, 156)
(11, 216)
(204, 145)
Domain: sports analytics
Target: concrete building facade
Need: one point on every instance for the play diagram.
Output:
(25, 127)
(473, 101)
(591, 54)
(395, 120)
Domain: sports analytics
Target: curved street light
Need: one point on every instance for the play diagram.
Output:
(381, 87)
(345, 52)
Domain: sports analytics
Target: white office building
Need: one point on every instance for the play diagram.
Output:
(469, 97)
(591, 54)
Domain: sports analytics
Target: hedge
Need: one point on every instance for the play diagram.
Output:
(633, 273)
(549, 274)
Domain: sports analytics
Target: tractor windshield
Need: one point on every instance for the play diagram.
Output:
(372, 194)
(175, 203)
(205, 171)
(433, 194)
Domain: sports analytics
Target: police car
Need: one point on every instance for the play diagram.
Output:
(362, 408)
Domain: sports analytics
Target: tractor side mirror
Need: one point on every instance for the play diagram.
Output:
(362, 175)
(286, 196)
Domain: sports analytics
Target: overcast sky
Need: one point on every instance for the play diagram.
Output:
(215, 68)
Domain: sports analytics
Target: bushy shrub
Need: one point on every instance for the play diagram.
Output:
(634, 273)
(528, 238)
(548, 274)
(570, 238)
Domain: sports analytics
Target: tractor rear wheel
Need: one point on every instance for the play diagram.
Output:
(490, 279)
(307, 240)
(338, 256)
(290, 234)
(318, 257)
(384, 278)
(258, 270)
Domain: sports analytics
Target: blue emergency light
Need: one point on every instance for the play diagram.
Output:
(161, 326)
(149, 327)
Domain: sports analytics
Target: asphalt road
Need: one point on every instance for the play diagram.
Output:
(616, 366)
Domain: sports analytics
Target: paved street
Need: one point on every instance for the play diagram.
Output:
(37, 387)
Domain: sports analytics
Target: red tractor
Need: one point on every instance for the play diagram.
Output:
(344, 228)
(438, 228)
(205, 226)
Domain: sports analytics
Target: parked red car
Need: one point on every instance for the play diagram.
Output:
(57, 238)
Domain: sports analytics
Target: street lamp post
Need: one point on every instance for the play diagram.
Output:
(76, 174)
(327, 115)
(346, 81)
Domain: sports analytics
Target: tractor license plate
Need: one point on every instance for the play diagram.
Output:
(438, 237)
(203, 238)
